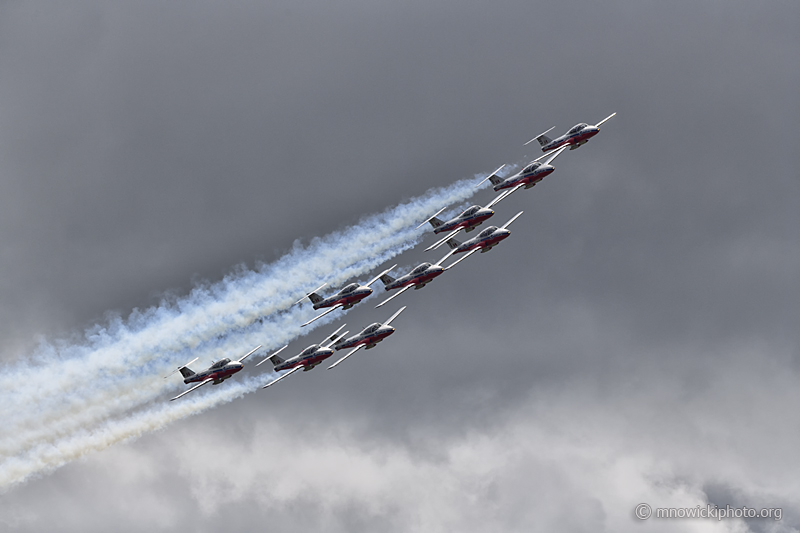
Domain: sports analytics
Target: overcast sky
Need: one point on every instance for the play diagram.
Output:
(635, 340)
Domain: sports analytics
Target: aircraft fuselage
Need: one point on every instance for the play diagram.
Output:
(217, 374)
(348, 300)
(416, 279)
(576, 138)
(529, 179)
(307, 360)
(484, 242)
(366, 337)
(467, 222)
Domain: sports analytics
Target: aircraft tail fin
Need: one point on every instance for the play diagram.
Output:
(542, 138)
(314, 297)
(453, 244)
(276, 360)
(435, 222)
(387, 279)
(184, 369)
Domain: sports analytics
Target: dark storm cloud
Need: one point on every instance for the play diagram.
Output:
(641, 314)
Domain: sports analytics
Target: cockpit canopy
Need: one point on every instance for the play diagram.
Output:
(471, 211)
(488, 231)
(531, 167)
(311, 349)
(372, 329)
(349, 288)
(421, 268)
(577, 128)
(221, 363)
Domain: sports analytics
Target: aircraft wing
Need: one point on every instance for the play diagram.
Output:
(443, 259)
(334, 308)
(462, 258)
(184, 393)
(351, 352)
(306, 296)
(430, 217)
(443, 240)
(506, 194)
(501, 196)
(270, 355)
(554, 154)
(376, 278)
(335, 338)
(543, 133)
(287, 374)
(249, 354)
(394, 316)
(608, 117)
(491, 175)
(507, 224)
(395, 295)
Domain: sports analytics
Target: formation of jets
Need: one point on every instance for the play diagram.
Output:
(417, 278)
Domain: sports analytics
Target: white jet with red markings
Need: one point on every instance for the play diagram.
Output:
(483, 242)
(422, 274)
(346, 298)
(530, 175)
(577, 136)
(368, 338)
(306, 360)
(468, 220)
(218, 372)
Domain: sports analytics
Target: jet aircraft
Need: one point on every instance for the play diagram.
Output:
(577, 136)
(530, 175)
(346, 298)
(306, 360)
(483, 242)
(417, 278)
(368, 338)
(218, 372)
(468, 220)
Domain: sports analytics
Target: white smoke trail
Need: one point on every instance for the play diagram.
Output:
(73, 393)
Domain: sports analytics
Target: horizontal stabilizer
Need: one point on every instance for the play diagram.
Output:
(271, 356)
(432, 217)
(538, 137)
(182, 366)
(492, 175)
(453, 244)
(309, 294)
(376, 278)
